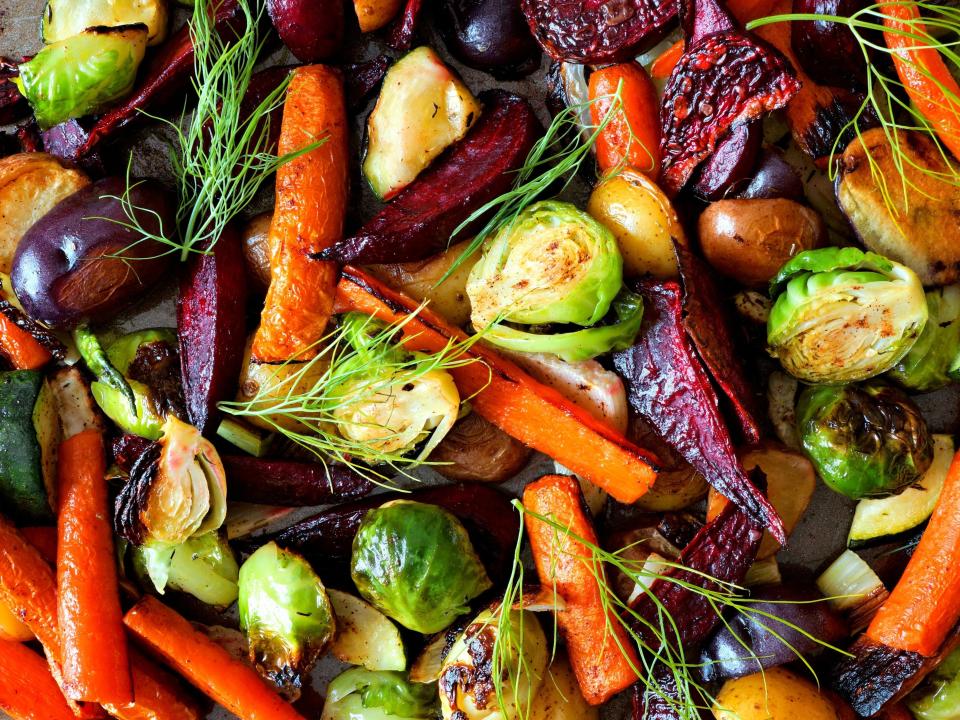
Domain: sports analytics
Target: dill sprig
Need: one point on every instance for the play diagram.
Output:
(937, 28)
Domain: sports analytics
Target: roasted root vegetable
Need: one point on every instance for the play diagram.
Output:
(365, 636)
(256, 250)
(375, 14)
(604, 665)
(828, 51)
(312, 30)
(730, 164)
(29, 691)
(632, 134)
(490, 35)
(311, 200)
(64, 19)
(290, 482)
(476, 449)
(786, 695)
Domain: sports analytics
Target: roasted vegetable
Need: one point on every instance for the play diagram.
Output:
(841, 315)
(374, 14)
(419, 221)
(415, 563)
(357, 693)
(423, 108)
(285, 613)
(202, 566)
(312, 29)
(934, 359)
(678, 484)
(80, 75)
(476, 449)
(774, 177)
(63, 19)
(828, 51)
(853, 589)
(365, 636)
(939, 697)
(776, 694)
(490, 35)
(291, 483)
(631, 135)
(22, 486)
(256, 250)
(79, 262)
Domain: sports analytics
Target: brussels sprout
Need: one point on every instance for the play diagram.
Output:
(145, 422)
(79, 75)
(939, 696)
(203, 566)
(366, 695)
(415, 563)
(865, 441)
(467, 691)
(122, 351)
(934, 359)
(841, 315)
(285, 613)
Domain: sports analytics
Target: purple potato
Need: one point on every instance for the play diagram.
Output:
(732, 162)
(312, 29)
(773, 178)
(490, 35)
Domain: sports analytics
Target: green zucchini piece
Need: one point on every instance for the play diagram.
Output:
(251, 440)
(63, 19)
(46, 424)
(22, 487)
(877, 518)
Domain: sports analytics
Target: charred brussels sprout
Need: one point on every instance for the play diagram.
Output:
(203, 566)
(366, 695)
(934, 360)
(415, 563)
(553, 265)
(865, 441)
(841, 315)
(285, 613)
(467, 689)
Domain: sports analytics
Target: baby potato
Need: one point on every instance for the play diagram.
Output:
(750, 240)
(776, 694)
(559, 696)
(642, 219)
(256, 250)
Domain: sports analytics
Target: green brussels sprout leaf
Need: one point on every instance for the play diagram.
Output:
(203, 566)
(122, 351)
(938, 698)
(828, 260)
(145, 422)
(932, 361)
(359, 694)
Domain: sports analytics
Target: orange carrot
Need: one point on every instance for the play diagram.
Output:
(27, 689)
(925, 604)
(923, 72)
(311, 201)
(508, 397)
(663, 66)
(95, 663)
(228, 681)
(632, 135)
(601, 652)
(44, 539)
(155, 688)
(20, 347)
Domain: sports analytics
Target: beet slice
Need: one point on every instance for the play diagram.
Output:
(290, 483)
(400, 36)
(311, 29)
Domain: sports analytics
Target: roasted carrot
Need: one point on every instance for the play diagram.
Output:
(20, 347)
(44, 539)
(923, 72)
(662, 67)
(95, 663)
(925, 604)
(228, 681)
(508, 397)
(311, 202)
(27, 689)
(11, 628)
(601, 652)
(155, 688)
(632, 134)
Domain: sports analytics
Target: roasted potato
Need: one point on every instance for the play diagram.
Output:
(645, 224)
(559, 696)
(750, 240)
(256, 250)
(30, 185)
(374, 14)
(924, 234)
(477, 450)
(677, 485)
(776, 694)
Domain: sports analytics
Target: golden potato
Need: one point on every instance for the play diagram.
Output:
(374, 14)
(256, 249)
(559, 697)
(644, 222)
(777, 694)
(750, 240)
(30, 185)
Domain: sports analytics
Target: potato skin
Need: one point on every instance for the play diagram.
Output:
(30, 185)
(256, 250)
(785, 696)
(750, 240)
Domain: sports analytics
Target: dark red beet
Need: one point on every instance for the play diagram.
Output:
(400, 36)
(773, 177)
(731, 163)
(127, 449)
(289, 483)
(361, 79)
(312, 29)
(211, 324)
(828, 51)
(419, 221)
(660, 704)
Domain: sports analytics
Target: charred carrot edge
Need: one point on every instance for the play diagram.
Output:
(923, 72)
(28, 690)
(20, 347)
(44, 539)
(632, 135)
(228, 681)
(155, 688)
(925, 604)
(603, 661)
(311, 203)
(508, 397)
(95, 663)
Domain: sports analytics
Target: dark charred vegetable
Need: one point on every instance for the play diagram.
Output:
(312, 29)
(418, 222)
(13, 106)
(731, 163)
(361, 79)
(402, 32)
(490, 35)
(72, 266)
(211, 324)
(65, 140)
(127, 449)
(828, 51)
(773, 178)
(476, 449)
(662, 704)
(290, 483)
(596, 32)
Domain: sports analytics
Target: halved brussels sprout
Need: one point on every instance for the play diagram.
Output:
(415, 563)
(865, 440)
(934, 360)
(841, 315)
(467, 689)
(358, 694)
(176, 490)
(144, 422)
(82, 74)
(203, 566)
(285, 613)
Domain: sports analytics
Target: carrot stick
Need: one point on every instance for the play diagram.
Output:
(95, 663)
(663, 66)
(228, 681)
(44, 539)
(311, 201)
(27, 689)
(508, 397)
(925, 604)
(601, 652)
(632, 135)
(923, 72)
(155, 688)
(20, 347)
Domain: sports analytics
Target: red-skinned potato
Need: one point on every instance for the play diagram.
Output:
(312, 29)
(79, 263)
